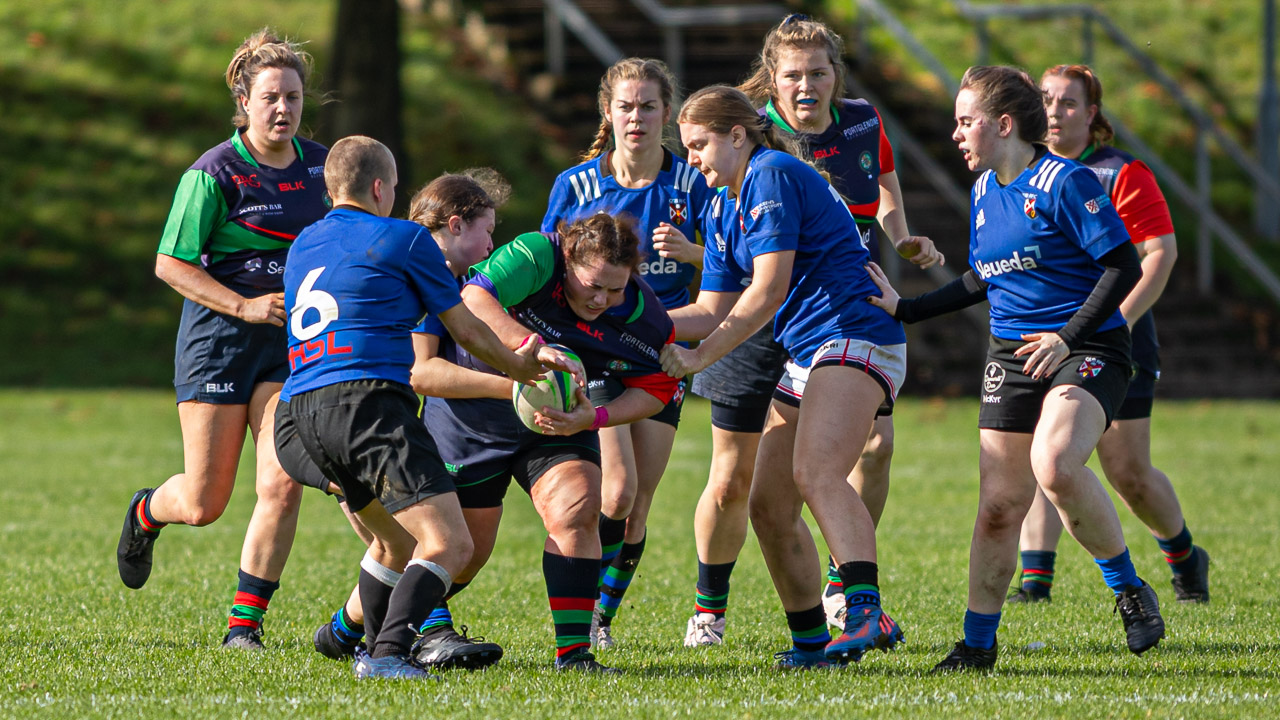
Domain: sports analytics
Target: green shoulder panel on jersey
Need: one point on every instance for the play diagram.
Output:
(198, 208)
(520, 268)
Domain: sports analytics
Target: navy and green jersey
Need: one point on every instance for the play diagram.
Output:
(677, 197)
(236, 218)
(785, 205)
(527, 276)
(356, 285)
(1036, 242)
(855, 152)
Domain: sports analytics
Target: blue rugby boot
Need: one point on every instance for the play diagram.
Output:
(797, 659)
(866, 628)
(397, 667)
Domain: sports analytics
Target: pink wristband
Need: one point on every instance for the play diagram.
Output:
(528, 339)
(602, 418)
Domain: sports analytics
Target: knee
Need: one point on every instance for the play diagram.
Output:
(579, 519)
(733, 488)
(199, 512)
(767, 519)
(1003, 513)
(1054, 473)
(279, 490)
(456, 554)
(618, 498)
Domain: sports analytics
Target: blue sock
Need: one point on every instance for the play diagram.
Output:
(345, 629)
(439, 617)
(1118, 572)
(980, 629)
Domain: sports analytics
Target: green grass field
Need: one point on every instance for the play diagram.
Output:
(76, 643)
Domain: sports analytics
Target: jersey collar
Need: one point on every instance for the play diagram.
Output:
(1087, 152)
(237, 142)
(778, 120)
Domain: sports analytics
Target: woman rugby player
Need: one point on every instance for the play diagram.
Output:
(1053, 258)
(628, 170)
(236, 211)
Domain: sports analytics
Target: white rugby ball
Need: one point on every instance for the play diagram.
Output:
(554, 390)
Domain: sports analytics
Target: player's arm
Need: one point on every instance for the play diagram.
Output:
(197, 285)
(699, 319)
(670, 242)
(474, 335)
(759, 302)
(1158, 256)
(892, 216)
(199, 207)
(435, 376)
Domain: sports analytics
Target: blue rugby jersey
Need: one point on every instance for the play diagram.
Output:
(356, 285)
(1036, 242)
(236, 218)
(787, 205)
(677, 197)
(527, 277)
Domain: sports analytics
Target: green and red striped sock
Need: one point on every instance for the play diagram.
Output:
(1037, 571)
(1177, 549)
(571, 590)
(712, 590)
(250, 604)
(145, 520)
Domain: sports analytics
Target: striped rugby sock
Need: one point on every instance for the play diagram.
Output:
(712, 591)
(617, 578)
(809, 629)
(250, 604)
(611, 536)
(571, 590)
(1177, 550)
(145, 519)
(1037, 571)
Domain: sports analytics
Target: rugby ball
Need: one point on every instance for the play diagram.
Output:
(553, 390)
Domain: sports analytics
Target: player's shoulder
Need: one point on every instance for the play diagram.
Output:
(585, 168)
(678, 173)
(1052, 174)
(1108, 155)
(219, 159)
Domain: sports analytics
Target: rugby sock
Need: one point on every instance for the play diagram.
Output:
(145, 520)
(440, 615)
(1037, 571)
(376, 583)
(1177, 550)
(835, 586)
(611, 534)
(861, 584)
(617, 578)
(1118, 572)
(348, 631)
(250, 604)
(980, 629)
(571, 590)
(713, 588)
(809, 629)
(420, 589)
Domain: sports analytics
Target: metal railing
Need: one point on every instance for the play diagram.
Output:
(1197, 197)
(561, 14)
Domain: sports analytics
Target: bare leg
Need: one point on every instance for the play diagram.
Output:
(720, 521)
(1125, 454)
(1006, 486)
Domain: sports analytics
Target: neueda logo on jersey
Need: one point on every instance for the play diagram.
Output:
(661, 266)
(1018, 261)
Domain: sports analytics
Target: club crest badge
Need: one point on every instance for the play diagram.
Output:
(1092, 206)
(679, 210)
(864, 161)
(1090, 367)
(992, 377)
(1029, 207)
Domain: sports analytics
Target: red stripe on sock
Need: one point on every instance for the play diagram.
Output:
(233, 622)
(572, 603)
(561, 652)
(244, 598)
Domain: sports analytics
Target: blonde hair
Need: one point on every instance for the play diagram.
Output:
(465, 194)
(621, 71)
(258, 52)
(795, 32)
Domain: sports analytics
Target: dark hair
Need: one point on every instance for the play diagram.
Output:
(611, 238)
(795, 32)
(1003, 90)
(1100, 130)
(260, 51)
(354, 162)
(465, 194)
(628, 69)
